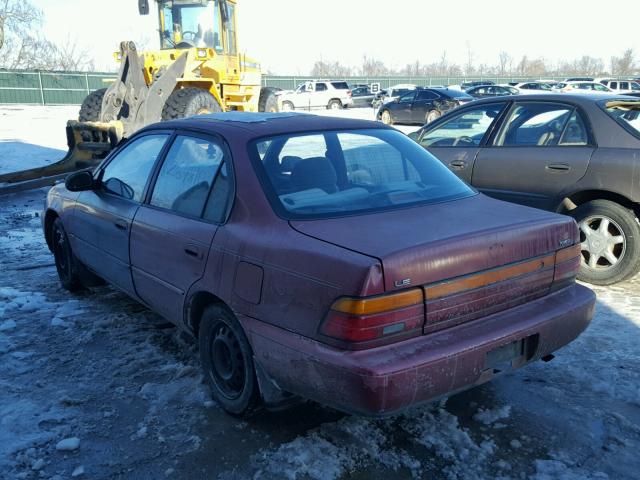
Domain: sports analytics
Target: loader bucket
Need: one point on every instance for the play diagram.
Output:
(89, 143)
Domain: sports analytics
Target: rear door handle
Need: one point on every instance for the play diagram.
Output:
(458, 164)
(120, 225)
(193, 251)
(558, 167)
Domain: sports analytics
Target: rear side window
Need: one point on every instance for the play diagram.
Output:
(340, 85)
(535, 124)
(127, 173)
(186, 176)
(427, 95)
(626, 113)
(321, 87)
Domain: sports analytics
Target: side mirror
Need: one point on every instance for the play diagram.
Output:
(143, 7)
(414, 135)
(79, 181)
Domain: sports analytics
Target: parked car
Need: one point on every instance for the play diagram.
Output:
(532, 87)
(316, 94)
(362, 97)
(421, 105)
(594, 87)
(475, 83)
(392, 93)
(575, 154)
(484, 91)
(259, 234)
(579, 79)
(621, 86)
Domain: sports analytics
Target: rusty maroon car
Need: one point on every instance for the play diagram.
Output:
(320, 258)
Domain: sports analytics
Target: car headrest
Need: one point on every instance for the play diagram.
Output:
(315, 172)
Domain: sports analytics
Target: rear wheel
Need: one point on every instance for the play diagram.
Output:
(66, 263)
(386, 117)
(268, 101)
(610, 241)
(189, 101)
(432, 116)
(227, 360)
(92, 106)
(334, 104)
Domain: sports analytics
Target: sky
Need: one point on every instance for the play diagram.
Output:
(288, 36)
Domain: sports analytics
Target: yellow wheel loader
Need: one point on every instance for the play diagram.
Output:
(198, 70)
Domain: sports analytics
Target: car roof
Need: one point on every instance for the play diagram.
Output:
(253, 125)
(577, 98)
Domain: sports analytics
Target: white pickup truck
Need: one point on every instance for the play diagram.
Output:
(316, 94)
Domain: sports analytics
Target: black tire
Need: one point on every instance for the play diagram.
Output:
(189, 101)
(288, 106)
(618, 239)
(432, 116)
(65, 260)
(92, 106)
(334, 104)
(227, 360)
(268, 101)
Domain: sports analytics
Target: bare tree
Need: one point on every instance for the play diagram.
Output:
(469, 67)
(372, 67)
(17, 17)
(625, 64)
(71, 57)
(330, 69)
(504, 58)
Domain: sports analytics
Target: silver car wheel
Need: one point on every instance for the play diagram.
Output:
(602, 242)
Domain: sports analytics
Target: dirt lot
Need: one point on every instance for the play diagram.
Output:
(124, 389)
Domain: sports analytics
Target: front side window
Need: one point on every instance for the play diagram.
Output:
(466, 129)
(128, 172)
(535, 124)
(186, 176)
(361, 171)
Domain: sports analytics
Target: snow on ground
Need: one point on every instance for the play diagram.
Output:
(93, 385)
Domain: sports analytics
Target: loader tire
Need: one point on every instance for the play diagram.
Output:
(189, 101)
(92, 106)
(268, 101)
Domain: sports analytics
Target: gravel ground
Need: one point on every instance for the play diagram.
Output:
(93, 385)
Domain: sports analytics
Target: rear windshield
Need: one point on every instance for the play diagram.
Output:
(340, 85)
(625, 112)
(454, 93)
(334, 173)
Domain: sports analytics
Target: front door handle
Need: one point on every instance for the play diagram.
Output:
(120, 225)
(193, 251)
(458, 164)
(558, 167)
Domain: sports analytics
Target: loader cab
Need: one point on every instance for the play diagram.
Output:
(198, 24)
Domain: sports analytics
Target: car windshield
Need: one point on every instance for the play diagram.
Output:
(625, 112)
(334, 173)
(196, 23)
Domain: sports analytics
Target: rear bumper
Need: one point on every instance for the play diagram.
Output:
(386, 379)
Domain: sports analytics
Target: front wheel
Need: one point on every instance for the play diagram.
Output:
(189, 101)
(610, 242)
(227, 361)
(66, 263)
(268, 101)
(386, 117)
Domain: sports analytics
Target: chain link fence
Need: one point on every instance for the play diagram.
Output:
(70, 88)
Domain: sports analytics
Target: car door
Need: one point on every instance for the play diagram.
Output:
(302, 97)
(457, 139)
(541, 150)
(101, 220)
(402, 108)
(321, 96)
(422, 104)
(173, 231)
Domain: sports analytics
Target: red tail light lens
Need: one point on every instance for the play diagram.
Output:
(348, 93)
(567, 264)
(358, 323)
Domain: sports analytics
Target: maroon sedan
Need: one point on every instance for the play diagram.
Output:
(323, 258)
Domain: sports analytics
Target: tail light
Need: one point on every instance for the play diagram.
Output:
(348, 93)
(357, 323)
(567, 264)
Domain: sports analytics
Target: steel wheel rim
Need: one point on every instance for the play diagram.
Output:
(63, 265)
(335, 105)
(227, 362)
(602, 243)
